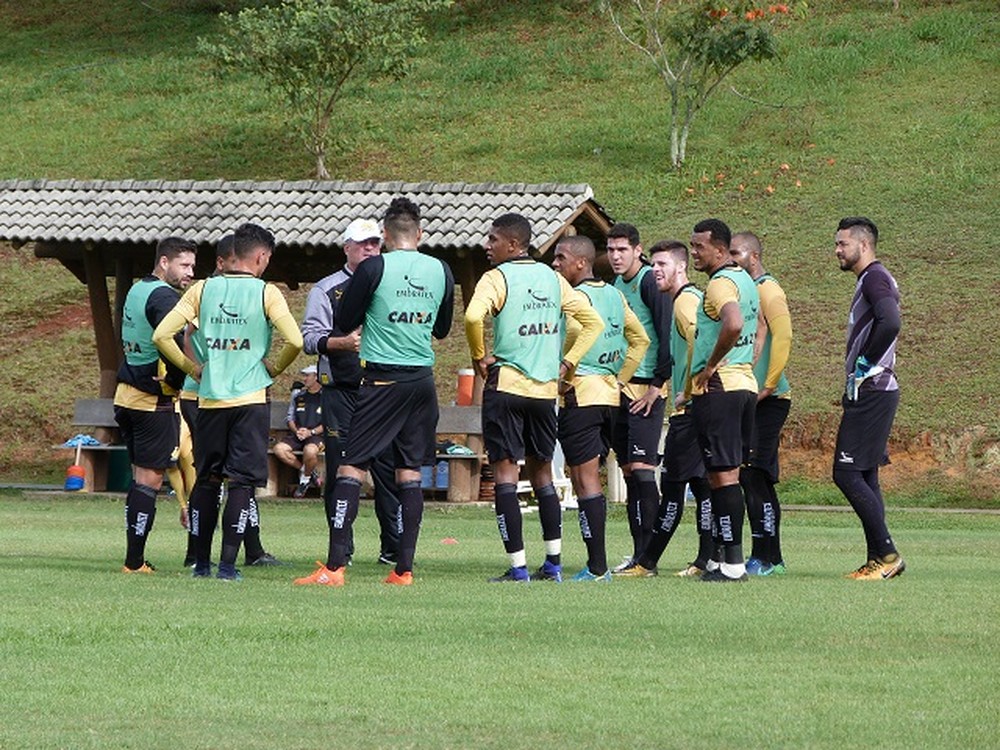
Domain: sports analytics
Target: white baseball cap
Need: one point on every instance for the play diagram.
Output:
(360, 230)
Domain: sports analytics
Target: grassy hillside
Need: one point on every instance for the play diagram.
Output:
(893, 115)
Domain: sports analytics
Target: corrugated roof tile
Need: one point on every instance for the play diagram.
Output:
(300, 212)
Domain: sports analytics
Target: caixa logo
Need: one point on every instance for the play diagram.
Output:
(228, 344)
(416, 316)
(538, 329)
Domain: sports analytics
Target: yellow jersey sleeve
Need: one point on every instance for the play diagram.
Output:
(276, 309)
(487, 299)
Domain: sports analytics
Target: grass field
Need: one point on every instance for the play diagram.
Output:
(892, 114)
(91, 658)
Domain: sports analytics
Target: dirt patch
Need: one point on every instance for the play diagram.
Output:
(63, 319)
(914, 466)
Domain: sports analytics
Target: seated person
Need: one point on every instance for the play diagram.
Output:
(305, 420)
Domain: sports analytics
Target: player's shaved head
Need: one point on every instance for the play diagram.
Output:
(579, 247)
(749, 240)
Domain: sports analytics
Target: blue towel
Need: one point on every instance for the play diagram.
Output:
(81, 439)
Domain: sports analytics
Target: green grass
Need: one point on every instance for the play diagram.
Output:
(867, 111)
(92, 658)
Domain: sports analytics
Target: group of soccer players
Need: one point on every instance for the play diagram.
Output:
(611, 355)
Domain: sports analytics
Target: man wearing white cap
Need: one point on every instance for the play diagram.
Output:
(305, 422)
(339, 375)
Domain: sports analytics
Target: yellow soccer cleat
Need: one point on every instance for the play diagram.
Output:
(879, 570)
(146, 567)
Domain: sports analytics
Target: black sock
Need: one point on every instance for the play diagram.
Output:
(668, 518)
(632, 510)
(252, 548)
(649, 503)
(727, 506)
(754, 484)
(706, 544)
(191, 556)
(865, 496)
(509, 521)
(203, 517)
(140, 510)
(550, 515)
(346, 500)
(593, 512)
(772, 524)
(411, 510)
(386, 504)
(235, 518)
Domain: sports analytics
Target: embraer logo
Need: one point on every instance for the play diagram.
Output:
(413, 289)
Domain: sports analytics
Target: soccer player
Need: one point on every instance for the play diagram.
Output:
(871, 395)
(773, 344)
(145, 408)
(527, 300)
(193, 347)
(682, 462)
(402, 297)
(340, 375)
(641, 408)
(236, 312)
(723, 388)
(588, 401)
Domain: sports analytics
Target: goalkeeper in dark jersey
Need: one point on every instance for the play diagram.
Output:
(871, 394)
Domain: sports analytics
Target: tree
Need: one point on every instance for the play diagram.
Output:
(305, 51)
(694, 45)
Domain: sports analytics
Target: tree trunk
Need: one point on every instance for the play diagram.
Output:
(675, 155)
(321, 173)
(682, 154)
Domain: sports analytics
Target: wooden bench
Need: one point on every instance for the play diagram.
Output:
(99, 415)
(460, 422)
(464, 471)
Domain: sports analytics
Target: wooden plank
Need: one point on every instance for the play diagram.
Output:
(460, 420)
(94, 412)
(279, 410)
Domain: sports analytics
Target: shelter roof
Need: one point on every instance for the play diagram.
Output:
(301, 214)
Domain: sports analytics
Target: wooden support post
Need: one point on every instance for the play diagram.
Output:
(109, 349)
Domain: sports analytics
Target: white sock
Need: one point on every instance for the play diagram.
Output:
(518, 559)
(734, 570)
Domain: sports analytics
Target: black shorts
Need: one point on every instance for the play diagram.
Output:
(767, 423)
(681, 453)
(338, 406)
(400, 414)
(585, 432)
(189, 412)
(232, 442)
(515, 427)
(297, 445)
(863, 437)
(151, 437)
(636, 437)
(724, 421)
